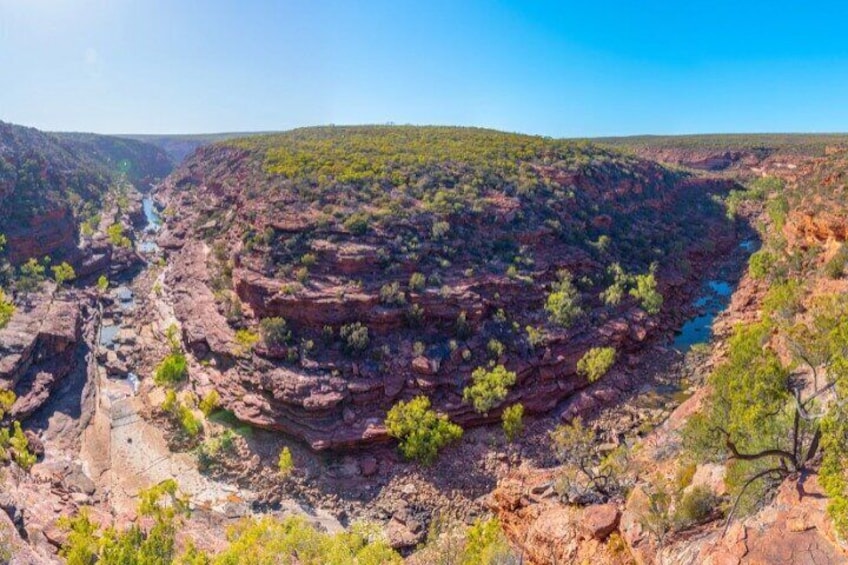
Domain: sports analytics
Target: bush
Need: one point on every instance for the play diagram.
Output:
(563, 303)
(440, 230)
(275, 332)
(695, 507)
(172, 369)
(596, 362)
(117, 237)
(417, 282)
(420, 431)
(392, 295)
(835, 267)
(355, 336)
(63, 273)
(646, 293)
(285, 463)
(357, 223)
(513, 421)
(189, 423)
(761, 264)
(245, 341)
(490, 388)
(30, 277)
(210, 402)
(102, 283)
(7, 309)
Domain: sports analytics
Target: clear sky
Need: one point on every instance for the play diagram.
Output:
(564, 68)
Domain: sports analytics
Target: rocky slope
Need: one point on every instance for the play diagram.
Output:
(50, 184)
(315, 226)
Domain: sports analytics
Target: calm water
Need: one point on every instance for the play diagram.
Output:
(696, 330)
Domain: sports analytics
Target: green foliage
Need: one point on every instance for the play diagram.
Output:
(7, 309)
(417, 282)
(835, 267)
(102, 283)
(115, 232)
(7, 400)
(355, 336)
(596, 362)
(420, 431)
(245, 341)
(172, 370)
(357, 223)
(275, 332)
(513, 421)
(3, 242)
(481, 543)
(20, 447)
(285, 462)
(210, 402)
(761, 263)
(489, 388)
(587, 472)
(153, 544)
(613, 295)
(535, 336)
(695, 507)
(392, 295)
(563, 303)
(646, 293)
(30, 277)
(267, 541)
(63, 273)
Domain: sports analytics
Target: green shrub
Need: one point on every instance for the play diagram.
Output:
(646, 293)
(417, 282)
(392, 295)
(563, 303)
(285, 462)
(695, 507)
(535, 336)
(173, 369)
(421, 432)
(117, 237)
(513, 421)
(835, 267)
(496, 348)
(102, 283)
(30, 277)
(355, 336)
(489, 388)
(761, 264)
(275, 332)
(63, 273)
(596, 362)
(189, 423)
(210, 402)
(308, 259)
(245, 341)
(357, 223)
(7, 309)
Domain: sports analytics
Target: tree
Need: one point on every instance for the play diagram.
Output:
(117, 237)
(596, 362)
(513, 423)
(489, 388)
(30, 277)
(587, 473)
(646, 292)
(63, 273)
(768, 421)
(563, 303)
(420, 431)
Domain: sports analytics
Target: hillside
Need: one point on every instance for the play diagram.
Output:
(734, 153)
(403, 259)
(51, 183)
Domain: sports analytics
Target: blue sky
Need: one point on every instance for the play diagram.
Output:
(561, 69)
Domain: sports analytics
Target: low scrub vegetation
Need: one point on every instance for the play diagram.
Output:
(420, 431)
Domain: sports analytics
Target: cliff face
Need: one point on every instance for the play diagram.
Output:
(484, 242)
